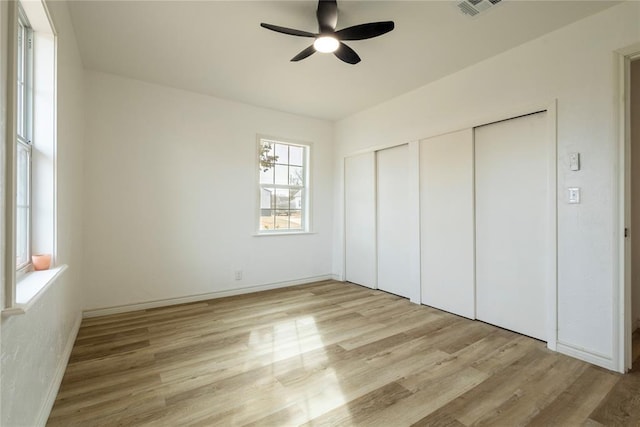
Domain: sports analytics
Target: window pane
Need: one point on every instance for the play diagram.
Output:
(266, 175)
(267, 199)
(282, 153)
(295, 220)
(296, 199)
(21, 44)
(22, 235)
(296, 155)
(296, 176)
(282, 174)
(282, 221)
(282, 201)
(22, 176)
(266, 155)
(20, 111)
(267, 222)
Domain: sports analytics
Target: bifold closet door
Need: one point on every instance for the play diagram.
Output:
(394, 240)
(447, 222)
(360, 219)
(513, 224)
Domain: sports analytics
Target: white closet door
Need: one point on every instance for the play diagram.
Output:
(360, 219)
(394, 240)
(447, 222)
(513, 224)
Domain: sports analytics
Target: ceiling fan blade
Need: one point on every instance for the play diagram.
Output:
(365, 31)
(304, 54)
(346, 54)
(285, 30)
(327, 15)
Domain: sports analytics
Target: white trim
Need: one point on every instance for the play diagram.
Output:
(622, 309)
(552, 211)
(413, 217)
(54, 386)
(201, 297)
(39, 16)
(307, 209)
(621, 334)
(284, 233)
(586, 355)
(343, 179)
(41, 281)
(337, 277)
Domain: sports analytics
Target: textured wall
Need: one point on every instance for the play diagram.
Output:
(33, 343)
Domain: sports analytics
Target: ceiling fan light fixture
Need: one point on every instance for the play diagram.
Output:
(330, 40)
(326, 44)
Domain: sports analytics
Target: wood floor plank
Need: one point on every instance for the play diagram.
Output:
(579, 400)
(328, 353)
(621, 406)
(360, 409)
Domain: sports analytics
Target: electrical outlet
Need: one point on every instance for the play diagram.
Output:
(238, 274)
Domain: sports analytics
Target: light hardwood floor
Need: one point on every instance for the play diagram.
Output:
(328, 354)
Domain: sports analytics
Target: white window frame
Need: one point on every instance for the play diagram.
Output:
(24, 124)
(23, 287)
(305, 214)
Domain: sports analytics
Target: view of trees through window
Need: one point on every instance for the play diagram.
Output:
(282, 186)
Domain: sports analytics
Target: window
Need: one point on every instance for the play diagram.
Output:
(30, 155)
(283, 186)
(24, 130)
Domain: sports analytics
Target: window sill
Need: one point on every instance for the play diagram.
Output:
(31, 287)
(283, 233)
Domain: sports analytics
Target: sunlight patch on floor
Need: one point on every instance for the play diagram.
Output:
(291, 341)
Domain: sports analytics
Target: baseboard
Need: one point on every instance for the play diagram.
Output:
(587, 356)
(46, 407)
(338, 278)
(201, 297)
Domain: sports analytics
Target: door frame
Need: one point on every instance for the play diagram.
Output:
(623, 309)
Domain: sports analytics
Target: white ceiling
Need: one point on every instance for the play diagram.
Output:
(218, 47)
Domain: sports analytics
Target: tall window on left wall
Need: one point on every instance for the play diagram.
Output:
(30, 196)
(24, 135)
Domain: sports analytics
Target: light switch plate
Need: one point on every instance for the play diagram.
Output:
(573, 195)
(574, 161)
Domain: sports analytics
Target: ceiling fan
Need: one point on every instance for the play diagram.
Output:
(329, 40)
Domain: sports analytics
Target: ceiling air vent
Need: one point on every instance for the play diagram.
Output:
(474, 7)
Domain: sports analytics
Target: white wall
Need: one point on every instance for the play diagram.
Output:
(33, 344)
(171, 195)
(635, 189)
(575, 65)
